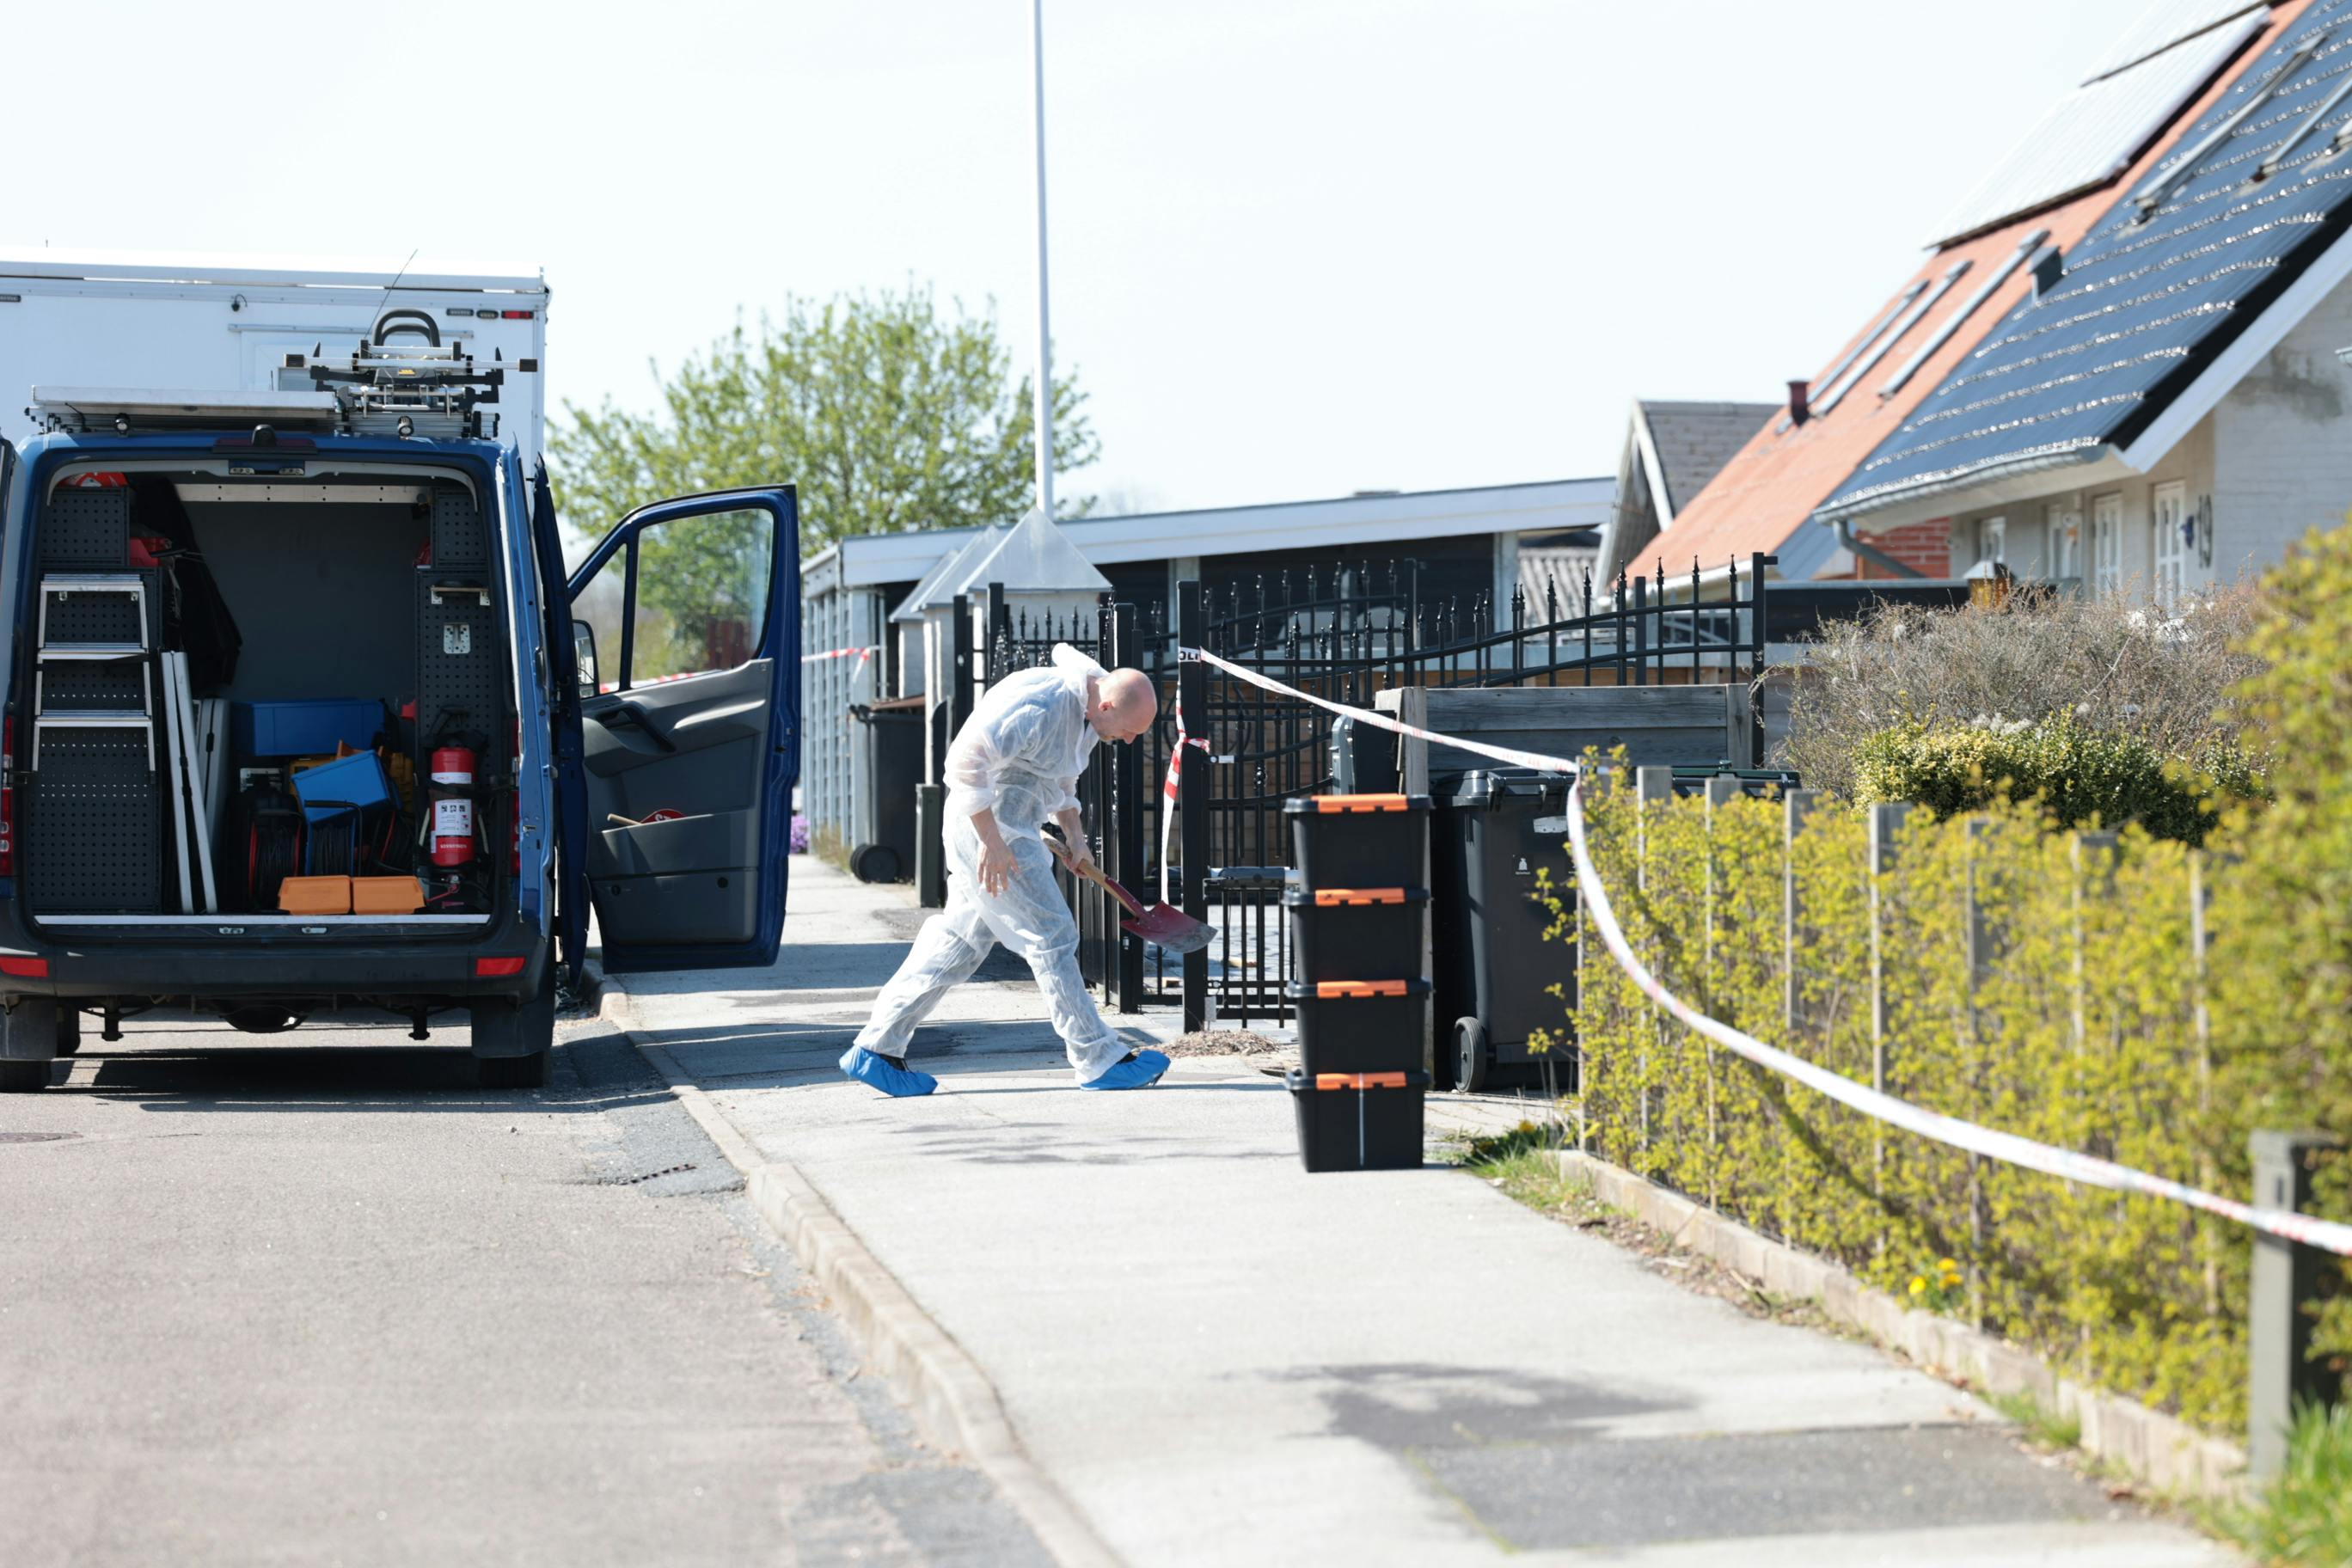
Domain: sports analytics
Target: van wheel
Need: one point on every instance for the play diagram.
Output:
(23, 1077)
(512, 1072)
(69, 1030)
(511, 1040)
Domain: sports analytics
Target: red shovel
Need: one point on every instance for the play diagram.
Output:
(1161, 924)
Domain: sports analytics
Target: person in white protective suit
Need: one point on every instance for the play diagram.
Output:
(1012, 766)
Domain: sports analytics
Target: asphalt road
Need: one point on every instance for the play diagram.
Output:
(315, 1298)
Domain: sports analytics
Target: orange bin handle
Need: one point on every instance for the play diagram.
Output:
(1327, 989)
(1332, 897)
(1360, 1081)
(1329, 804)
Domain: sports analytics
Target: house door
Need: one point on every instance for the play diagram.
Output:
(2107, 543)
(2169, 542)
(2062, 552)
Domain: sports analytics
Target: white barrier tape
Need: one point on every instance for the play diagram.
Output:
(2329, 1236)
(861, 654)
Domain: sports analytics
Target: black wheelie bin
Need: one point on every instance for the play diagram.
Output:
(894, 734)
(1492, 967)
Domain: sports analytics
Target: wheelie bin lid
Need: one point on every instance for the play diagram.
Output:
(1481, 786)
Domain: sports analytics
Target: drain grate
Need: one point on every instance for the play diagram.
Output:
(649, 1175)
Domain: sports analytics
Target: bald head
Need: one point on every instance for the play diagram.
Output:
(1124, 705)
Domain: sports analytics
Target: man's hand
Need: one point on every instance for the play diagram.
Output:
(996, 863)
(1079, 851)
(996, 869)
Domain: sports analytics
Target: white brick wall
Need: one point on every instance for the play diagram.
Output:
(2282, 445)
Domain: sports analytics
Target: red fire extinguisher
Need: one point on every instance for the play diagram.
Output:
(452, 794)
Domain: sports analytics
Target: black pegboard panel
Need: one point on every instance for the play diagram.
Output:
(94, 825)
(458, 537)
(460, 665)
(93, 617)
(85, 529)
(89, 686)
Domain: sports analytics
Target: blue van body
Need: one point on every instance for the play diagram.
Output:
(578, 751)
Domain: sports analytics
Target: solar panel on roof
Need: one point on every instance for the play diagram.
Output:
(2165, 24)
(2146, 301)
(2093, 133)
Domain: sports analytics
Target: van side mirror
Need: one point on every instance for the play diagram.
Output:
(583, 657)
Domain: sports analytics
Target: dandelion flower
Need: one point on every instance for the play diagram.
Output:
(1918, 1286)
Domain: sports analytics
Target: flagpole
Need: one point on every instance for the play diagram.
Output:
(1044, 389)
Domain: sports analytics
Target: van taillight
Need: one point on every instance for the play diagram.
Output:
(8, 796)
(515, 315)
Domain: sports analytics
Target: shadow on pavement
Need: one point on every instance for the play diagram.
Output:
(329, 1078)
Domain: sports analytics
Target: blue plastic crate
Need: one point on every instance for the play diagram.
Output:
(355, 783)
(304, 728)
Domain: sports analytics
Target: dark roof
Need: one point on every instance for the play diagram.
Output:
(1694, 440)
(2145, 303)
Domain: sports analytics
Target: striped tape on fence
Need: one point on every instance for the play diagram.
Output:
(860, 654)
(2008, 1147)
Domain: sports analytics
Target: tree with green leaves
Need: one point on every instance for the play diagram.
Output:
(887, 414)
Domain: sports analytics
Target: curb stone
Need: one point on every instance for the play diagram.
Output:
(2153, 1448)
(953, 1404)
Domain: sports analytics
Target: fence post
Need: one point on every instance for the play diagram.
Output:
(960, 699)
(1980, 935)
(1756, 646)
(1651, 786)
(2094, 854)
(1721, 790)
(2200, 1018)
(1641, 631)
(1886, 840)
(1000, 627)
(1799, 803)
(1192, 799)
(2286, 1284)
(1125, 841)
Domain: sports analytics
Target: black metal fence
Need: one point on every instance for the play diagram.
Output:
(1346, 636)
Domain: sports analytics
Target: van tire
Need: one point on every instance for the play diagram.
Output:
(511, 1039)
(23, 1077)
(512, 1072)
(69, 1030)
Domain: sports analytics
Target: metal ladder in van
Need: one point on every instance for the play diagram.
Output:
(87, 675)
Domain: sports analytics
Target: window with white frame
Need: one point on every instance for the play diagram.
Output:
(2107, 543)
(2062, 545)
(1992, 541)
(2168, 538)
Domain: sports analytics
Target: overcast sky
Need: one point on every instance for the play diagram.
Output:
(1300, 247)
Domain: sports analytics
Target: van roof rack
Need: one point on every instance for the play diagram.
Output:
(383, 387)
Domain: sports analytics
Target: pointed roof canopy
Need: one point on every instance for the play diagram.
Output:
(1030, 557)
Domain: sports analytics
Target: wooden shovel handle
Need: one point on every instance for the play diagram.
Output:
(1093, 873)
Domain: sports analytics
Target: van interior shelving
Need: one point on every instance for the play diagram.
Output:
(206, 638)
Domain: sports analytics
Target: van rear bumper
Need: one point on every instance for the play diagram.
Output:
(275, 967)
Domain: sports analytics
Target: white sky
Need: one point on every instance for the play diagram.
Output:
(1301, 246)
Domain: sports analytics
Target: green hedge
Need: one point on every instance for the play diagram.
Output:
(2077, 1016)
(2078, 776)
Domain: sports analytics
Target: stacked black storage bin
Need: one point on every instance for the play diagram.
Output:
(1356, 919)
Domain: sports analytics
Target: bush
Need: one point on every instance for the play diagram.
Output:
(2077, 776)
(2118, 670)
(2283, 958)
(2137, 1294)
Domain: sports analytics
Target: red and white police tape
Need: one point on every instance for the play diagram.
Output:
(2327, 1235)
(861, 654)
(1168, 792)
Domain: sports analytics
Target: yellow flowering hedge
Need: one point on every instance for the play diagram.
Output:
(2074, 1012)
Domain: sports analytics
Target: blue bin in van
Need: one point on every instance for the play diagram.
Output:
(356, 782)
(304, 728)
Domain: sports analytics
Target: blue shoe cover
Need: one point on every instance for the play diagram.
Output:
(880, 1072)
(1140, 1070)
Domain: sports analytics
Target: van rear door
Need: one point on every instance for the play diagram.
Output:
(689, 682)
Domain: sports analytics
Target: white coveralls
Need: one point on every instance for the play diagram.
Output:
(1019, 755)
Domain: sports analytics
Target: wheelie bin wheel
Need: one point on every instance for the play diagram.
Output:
(1469, 1056)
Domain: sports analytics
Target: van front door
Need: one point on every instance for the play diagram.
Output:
(689, 715)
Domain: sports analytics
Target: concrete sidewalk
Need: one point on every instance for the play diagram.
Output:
(1219, 1359)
